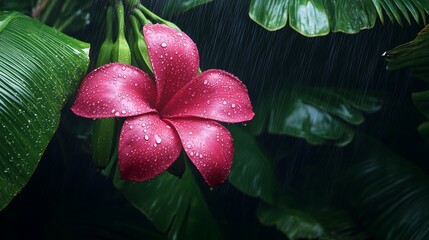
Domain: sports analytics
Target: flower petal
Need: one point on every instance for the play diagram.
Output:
(147, 147)
(174, 58)
(209, 146)
(115, 90)
(214, 94)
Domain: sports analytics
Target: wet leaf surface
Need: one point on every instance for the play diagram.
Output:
(40, 68)
(175, 206)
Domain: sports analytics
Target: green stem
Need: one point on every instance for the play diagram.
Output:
(120, 16)
(156, 18)
(141, 17)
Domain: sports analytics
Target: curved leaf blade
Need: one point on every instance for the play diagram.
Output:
(318, 115)
(176, 207)
(309, 17)
(178, 7)
(39, 69)
(319, 17)
(385, 189)
(293, 223)
(415, 55)
(272, 15)
(252, 170)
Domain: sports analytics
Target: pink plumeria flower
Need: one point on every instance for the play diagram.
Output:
(179, 110)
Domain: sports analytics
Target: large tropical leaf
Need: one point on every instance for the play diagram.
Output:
(293, 223)
(414, 55)
(319, 17)
(252, 170)
(39, 69)
(390, 194)
(302, 221)
(317, 115)
(174, 205)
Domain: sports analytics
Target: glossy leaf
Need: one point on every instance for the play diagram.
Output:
(177, 7)
(175, 206)
(319, 17)
(252, 170)
(317, 115)
(301, 220)
(293, 223)
(39, 68)
(414, 55)
(272, 15)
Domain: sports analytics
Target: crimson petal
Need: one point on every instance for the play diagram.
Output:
(147, 147)
(115, 90)
(209, 146)
(214, 94)
(174, 58)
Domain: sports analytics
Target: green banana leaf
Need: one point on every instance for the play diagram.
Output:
(319, 17)
(175, 206)
(318, 115)
(414, 55)
(39, 69)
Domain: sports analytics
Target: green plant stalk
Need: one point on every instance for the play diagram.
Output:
(156, 18)
(139, 48)
(141, 17)
(103, 133)
(103, 136)
(106, 48)
(121, 49)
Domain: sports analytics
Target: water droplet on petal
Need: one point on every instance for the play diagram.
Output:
(157, 139)
(164, 45)
(146, 137)
(224, 102)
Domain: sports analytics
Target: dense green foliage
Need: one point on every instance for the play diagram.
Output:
(40, 69)
(337, 150)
